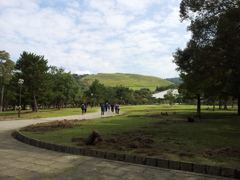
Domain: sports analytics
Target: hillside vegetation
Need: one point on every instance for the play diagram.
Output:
(133, 81)
(176, 80)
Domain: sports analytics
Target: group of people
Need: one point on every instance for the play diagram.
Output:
(104, 108)
(109, 107)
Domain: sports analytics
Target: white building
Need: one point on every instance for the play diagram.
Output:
(161, 94)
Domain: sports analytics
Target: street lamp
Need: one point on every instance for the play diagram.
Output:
(20, 82)
(93, 100)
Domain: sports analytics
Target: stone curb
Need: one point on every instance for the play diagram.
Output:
(162, 163)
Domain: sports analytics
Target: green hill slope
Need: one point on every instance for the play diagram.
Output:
(133, 81)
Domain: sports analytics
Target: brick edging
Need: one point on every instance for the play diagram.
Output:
(156, 162)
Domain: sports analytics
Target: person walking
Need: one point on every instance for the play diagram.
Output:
(108, 107)
(112, 107)
(102, 109)
(118, 108)
(86, 106)
(83, 108)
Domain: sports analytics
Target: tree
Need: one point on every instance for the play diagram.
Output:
(63, 88)
(6, 72)
(214, 53)
(34, 72)
(170, 96)
(121, 91)
(194, 74)
(70, 89)
(229, 51)
(96, 91)
(163, 88)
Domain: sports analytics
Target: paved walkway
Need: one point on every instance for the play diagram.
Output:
(22, 161)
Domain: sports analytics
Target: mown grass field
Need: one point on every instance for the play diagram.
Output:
(213, 139)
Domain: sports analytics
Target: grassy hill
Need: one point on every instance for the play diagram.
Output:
(133, 81)
(176, 80)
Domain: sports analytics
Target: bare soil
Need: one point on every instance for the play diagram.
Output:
(53, 125)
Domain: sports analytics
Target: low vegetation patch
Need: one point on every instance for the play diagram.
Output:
(144, 130)
(52, 126)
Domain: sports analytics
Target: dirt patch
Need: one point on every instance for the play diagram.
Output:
(149, 110)
(230, 152)
(168, 122)
(147, 115)
(52, 126)
(186, 154)
(152, 114)
(137, 141)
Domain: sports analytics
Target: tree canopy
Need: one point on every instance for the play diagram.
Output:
(52, 87)
(34, 70)
(6, 72)
(210, 62)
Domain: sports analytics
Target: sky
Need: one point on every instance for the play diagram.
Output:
(96, 36)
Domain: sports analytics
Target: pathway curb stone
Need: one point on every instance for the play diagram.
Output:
(162, 163)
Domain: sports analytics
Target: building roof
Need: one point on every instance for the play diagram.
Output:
(162, 93)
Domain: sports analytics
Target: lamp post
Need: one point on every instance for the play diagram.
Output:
(20, 82)
(93, 100)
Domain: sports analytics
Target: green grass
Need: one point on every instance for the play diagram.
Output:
(151, 88)
(133, 81)
(44, 113)
(213, 140)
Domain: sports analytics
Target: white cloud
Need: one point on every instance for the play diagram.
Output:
(144, 25)
(136, 6)
(82, 72)
(117, 21)
(95, 19)
(103, 6)
(92, 36)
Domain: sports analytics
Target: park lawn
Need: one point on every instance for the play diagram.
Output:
(212, 140)
(44, 113)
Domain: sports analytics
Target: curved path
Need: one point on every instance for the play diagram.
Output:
(22, 161)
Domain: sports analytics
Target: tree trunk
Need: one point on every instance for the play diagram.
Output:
(58, 105)
(5, 107)
(238, 106)
(225, 103)
(220, 103)
(213, 105)
(35, 102)
(33, 107)
(198, 105)
(1, 105)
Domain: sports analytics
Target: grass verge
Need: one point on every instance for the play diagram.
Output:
(44, 113)
(212, 140)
